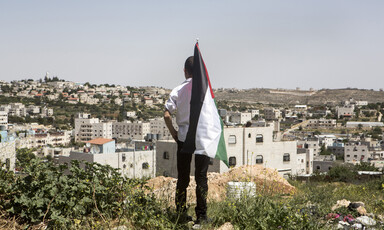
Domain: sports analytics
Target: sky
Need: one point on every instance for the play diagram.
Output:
(245, 44)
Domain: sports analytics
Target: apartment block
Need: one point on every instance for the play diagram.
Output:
(131, 130)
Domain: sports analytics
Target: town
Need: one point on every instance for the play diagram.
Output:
(123, 127)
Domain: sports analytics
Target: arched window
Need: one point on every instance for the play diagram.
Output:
(166, 155)
(259, 138)
(232, 139)
(259, 159)
(123, 158)
(286, 157)
(232, 161)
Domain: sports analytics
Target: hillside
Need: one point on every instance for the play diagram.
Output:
(281, 96)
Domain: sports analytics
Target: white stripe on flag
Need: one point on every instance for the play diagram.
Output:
(208, 128)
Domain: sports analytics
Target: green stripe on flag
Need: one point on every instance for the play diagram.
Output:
(221, 153)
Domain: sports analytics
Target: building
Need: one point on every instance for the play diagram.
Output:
(345, 111)
(245, 146)
(362, 124)
(310, 143)
(87, 128)
(131, 130)
(240, 117)
(7, 150)
(355, 152)
(271, 114)
(4, 119)
(321, 123)
(42, 139)
(131, 163)
(159, 128)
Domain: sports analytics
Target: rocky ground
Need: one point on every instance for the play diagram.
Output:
(267, 181)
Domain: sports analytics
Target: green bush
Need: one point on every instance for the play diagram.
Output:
(63, 196)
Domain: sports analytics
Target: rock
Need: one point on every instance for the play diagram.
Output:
(355, 205)
(341, 203)
(122, 227)
(357, 226)
(342, 225)
(380, 217)
(361, 210)
(365, 220)
(226, 226)
(267, 180)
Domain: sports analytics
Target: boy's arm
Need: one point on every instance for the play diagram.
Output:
(168, 122)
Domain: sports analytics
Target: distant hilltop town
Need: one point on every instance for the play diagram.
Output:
(296, 132)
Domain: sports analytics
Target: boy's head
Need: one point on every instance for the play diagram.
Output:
(188, 67)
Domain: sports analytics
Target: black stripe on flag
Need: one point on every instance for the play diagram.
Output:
(199, 89)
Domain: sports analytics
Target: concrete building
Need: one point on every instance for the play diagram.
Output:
(7, 150)
(345, 111)
(4, 119)
(240, 117)
(158, 126)
(311, 143)
(245, 146)
(131, 163)
(87, 128)
(272, 114)
(354, 152)
(324, 163)
(321, 123)
(131, 130)
(38, 140)
(356, 124)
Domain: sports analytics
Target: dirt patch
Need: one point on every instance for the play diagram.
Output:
(267, 181)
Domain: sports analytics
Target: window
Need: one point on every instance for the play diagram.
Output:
(145, 165)
(123, 158)
(355, 156)
(232, 139)
(124, 166)
(318, 167)
(286, 157)
(249, 135)
(166, 155)
(259, 159)
(259, 138)
(232, 161)
(348, 155)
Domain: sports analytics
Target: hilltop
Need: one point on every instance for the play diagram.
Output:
(285, 96)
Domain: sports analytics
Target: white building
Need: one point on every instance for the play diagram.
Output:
(345, 111)
(355, 152)
(245, 146)
(321, 123)
(4, 119)
(240, 117)
(131, 163)
(131, 130)
(271, 114)
(87, 128)
(7, 150)
(158, 126)
(39, 140)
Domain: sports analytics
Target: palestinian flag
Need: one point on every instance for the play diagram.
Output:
(205, 133)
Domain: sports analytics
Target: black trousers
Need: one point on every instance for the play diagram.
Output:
(183, 170)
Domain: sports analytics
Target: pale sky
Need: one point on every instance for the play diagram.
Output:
(245, 44)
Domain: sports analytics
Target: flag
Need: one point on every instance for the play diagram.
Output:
(205, 133)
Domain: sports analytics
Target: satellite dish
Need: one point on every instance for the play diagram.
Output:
(95, 149)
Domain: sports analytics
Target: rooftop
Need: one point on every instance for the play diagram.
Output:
(99, 141)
